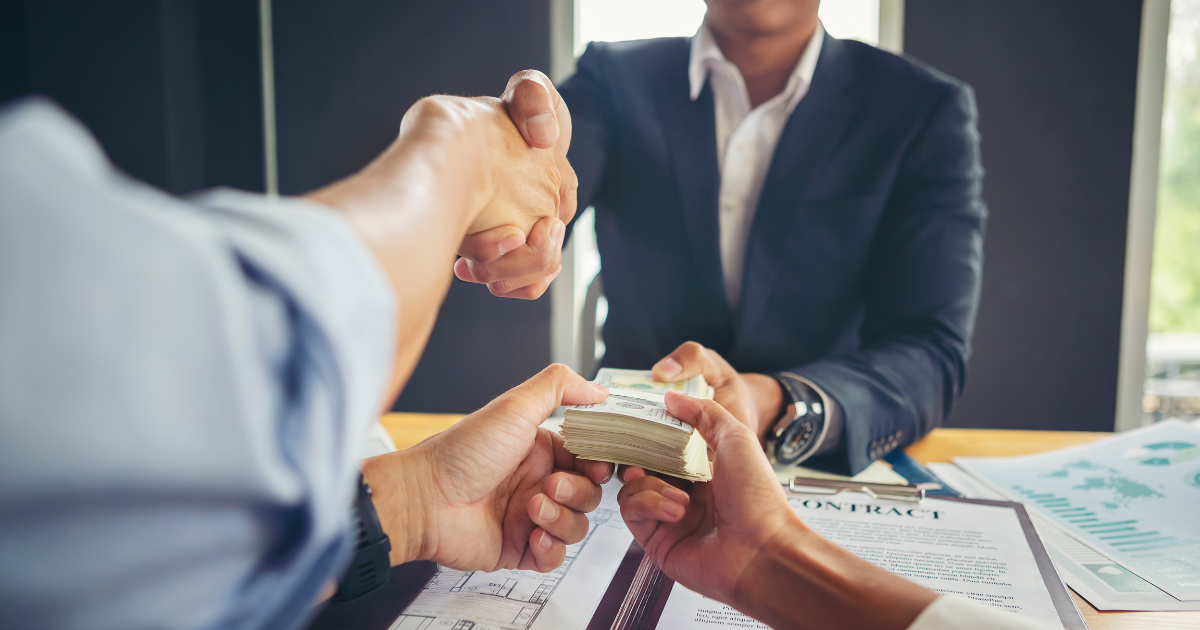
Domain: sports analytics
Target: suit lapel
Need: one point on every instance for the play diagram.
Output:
(805, 147)
(690, 128)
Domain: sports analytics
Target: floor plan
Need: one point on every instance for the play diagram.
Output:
(522, 600)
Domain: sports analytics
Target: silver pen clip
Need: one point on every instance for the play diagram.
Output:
(906, 493)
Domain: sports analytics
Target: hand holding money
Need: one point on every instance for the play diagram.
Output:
(633, 426)
(755, 400)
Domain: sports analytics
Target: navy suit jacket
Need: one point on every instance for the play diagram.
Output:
(863, 265)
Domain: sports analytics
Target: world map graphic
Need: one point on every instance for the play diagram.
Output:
(1093, 477)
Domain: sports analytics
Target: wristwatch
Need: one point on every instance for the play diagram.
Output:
(370, 568)
(801, 427)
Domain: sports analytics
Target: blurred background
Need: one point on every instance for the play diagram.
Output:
(1089, 114)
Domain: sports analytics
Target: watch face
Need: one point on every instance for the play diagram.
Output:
(795, 441)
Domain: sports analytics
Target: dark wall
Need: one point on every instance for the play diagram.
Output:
(345, 72)
(1055, 83)
(170, 88)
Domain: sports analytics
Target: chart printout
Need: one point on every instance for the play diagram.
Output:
(1134, 497)
(563, 599)
(979, 552)
(1104, 583)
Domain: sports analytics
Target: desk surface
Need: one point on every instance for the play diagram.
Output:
(407, 429)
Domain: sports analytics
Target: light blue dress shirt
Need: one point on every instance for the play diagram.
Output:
(183, 388)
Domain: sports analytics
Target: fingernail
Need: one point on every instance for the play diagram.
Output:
(564, 491)
(545, 540)
(609, 476)
(676, 495)
(673, 510)
(599, 388)
(542, 128)
(554, 275)
(558, 233)
(510, 243)
(668, 367)
(549, 511)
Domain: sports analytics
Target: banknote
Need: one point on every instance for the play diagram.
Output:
(643, 381)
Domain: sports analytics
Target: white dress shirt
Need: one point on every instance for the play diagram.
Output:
(746, 139)
(952, 612)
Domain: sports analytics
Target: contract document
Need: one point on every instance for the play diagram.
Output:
(986, 551)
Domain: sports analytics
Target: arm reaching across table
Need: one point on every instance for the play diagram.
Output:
(736, 540)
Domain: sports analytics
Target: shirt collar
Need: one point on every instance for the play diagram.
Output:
(705, 53)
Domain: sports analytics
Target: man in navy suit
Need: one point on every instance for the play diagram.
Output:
(806, 208)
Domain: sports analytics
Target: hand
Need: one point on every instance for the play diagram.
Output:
(735, 539)
(522, 183)
(755, 400)
(495, 491)
(510, 265)
(503, 258)
(706, 538)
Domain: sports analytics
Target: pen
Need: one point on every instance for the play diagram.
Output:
(912, 493)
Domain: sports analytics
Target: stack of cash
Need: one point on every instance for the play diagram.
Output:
(633, 427)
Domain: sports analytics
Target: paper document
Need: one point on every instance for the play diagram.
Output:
(1134, 497)
(877, 472)
(377, 441)
(563, 599)
(978, 551)
(1104, 583)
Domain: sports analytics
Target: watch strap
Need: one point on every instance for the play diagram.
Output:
(371, 566)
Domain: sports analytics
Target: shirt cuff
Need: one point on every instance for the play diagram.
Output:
(950, 612)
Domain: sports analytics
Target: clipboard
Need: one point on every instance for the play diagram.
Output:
(642, 607)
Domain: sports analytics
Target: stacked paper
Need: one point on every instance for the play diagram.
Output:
(633, 427)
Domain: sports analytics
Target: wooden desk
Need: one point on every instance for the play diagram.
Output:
(408, 429)
(939, 446)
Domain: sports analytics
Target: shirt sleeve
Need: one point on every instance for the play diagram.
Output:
(183, 389)
(950, 612)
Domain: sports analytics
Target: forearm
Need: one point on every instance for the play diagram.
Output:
(412, 207)
(803, 581)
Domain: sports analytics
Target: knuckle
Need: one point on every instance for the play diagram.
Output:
(481, 272)
(558, 371)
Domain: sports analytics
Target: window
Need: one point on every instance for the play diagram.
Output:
(619, 20)
(1172, 386)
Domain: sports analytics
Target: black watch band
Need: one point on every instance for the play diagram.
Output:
(801, 427)
(370, 567)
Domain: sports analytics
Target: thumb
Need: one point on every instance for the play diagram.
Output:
(557, 385)
(529, 98)
(716, 425)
